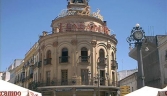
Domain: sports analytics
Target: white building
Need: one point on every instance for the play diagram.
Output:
(162, 47)
(131, 81)
(11, 69)
(124, 73)
(1, 74)
(6, 76)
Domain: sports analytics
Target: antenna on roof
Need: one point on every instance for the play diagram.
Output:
(153, 30)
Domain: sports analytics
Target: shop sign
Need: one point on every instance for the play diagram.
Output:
(10, 93)
(63, 89)
(82, 89)
(67, 27)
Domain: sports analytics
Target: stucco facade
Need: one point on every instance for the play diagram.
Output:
(78, 58)
(162, 47)
(153, 60)
(70, 55)
(131, 81)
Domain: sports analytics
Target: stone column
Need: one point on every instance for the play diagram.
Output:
(74, 92)
(54, 93)
(94, 94)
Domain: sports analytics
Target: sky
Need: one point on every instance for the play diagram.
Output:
(22, 21)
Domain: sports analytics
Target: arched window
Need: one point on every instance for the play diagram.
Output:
(101, 56)
(64, 55)
(101, 53)
(112, 56)
(84, 54)
(48, 57)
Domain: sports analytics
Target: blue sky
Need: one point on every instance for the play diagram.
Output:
(23, 20)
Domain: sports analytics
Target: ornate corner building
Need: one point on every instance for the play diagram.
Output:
(78, 58)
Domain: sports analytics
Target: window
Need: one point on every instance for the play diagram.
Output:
(101, 56)
(48, 57)
(64, 55)
(102, 76)
(112, 56)
(77, 1)
(113, 78)
(84, 76)
(64, 77)
(84, 54)
(47, 77)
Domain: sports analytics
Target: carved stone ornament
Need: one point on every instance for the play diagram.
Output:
(93, 43)
(74, 42)
(43, 46)
(85, 11)
(55, 44)
(108, 46)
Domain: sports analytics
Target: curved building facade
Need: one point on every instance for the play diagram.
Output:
(79, 57)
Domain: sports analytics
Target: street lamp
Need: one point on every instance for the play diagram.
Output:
(136, 37)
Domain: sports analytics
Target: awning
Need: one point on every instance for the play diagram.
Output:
(9, 89)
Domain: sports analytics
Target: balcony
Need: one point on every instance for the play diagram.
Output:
(31, 75)
(84, 59)
(47, 61)
(69, 82)
(39, 64)
(102, 61)
(114, 65)
(23, 80)
(36, 65)
(63, 59)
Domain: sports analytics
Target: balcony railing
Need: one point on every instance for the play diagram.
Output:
(102, 61)
(84, 59)
(114, 64)
(69, 82)
(23, 80)
(39, 64)
(31, 75)
(47, 61)
(63, 59)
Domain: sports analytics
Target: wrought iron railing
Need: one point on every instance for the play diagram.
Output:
(114, 64)
(69, 82)
(102, 61)
(64, 59)
(47, 61)
(84, 59)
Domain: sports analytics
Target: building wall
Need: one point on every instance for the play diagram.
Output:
(152, 69)
(122, 74)
(1, 74)
(131, 81)
(6, 76)
(12, 76)
(73, 66)
(162, 47)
